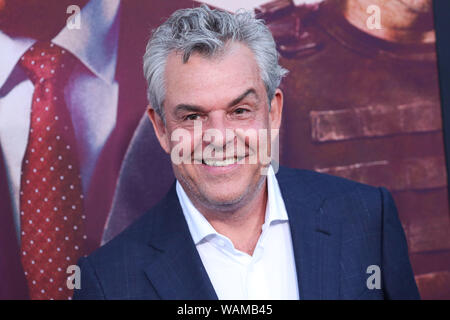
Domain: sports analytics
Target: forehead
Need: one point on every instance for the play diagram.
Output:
(211, 80)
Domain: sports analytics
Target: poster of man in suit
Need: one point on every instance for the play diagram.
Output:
(105, 96)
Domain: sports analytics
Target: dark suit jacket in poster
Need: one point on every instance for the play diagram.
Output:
(338, 228)
(137, 18)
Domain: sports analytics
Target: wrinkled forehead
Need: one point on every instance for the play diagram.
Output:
(210, 79)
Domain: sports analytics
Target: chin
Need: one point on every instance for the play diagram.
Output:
(222, 197)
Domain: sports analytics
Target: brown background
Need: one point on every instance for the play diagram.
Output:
(369, 110)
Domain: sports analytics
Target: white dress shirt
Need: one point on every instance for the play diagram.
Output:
(268, 274)
(91, 93)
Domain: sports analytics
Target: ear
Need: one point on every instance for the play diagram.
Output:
(160, 128)
(276, 109)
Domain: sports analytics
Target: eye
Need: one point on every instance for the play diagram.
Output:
(192, 117)
(240, 111)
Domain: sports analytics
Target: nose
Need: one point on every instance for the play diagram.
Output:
(217, 131)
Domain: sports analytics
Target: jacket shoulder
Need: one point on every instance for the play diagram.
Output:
(327, 185)
(342, 196)
(113, 271)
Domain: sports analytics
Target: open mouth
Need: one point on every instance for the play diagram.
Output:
(222, 163)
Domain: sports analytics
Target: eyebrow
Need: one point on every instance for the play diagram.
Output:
(242, 97)
(194, 108)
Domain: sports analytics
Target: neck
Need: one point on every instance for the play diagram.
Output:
(399, 22)
(242, 225)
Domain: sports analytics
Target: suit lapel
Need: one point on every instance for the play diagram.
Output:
(176, 271)
(315, 235)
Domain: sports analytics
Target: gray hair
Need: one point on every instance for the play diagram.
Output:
(205, 31)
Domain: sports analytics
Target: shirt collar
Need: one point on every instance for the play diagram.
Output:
(94, 44)
(200, 228)
(275, 210)
(12, 51)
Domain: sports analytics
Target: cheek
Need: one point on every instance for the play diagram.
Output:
(256, 142)
(183, 144)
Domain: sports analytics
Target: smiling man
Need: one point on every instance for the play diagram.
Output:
(227, 93)
(231, 227)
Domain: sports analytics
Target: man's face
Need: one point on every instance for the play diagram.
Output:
(38, 19)
(225, 93)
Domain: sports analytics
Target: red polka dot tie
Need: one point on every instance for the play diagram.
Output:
(51, 198)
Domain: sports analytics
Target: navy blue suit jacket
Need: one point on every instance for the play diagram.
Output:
(339, 228)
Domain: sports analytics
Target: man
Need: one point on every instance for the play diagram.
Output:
(228, 228)
(101, 80)
(363, 103)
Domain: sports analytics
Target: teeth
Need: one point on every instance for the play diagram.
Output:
(218, 163)
(221, 163)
